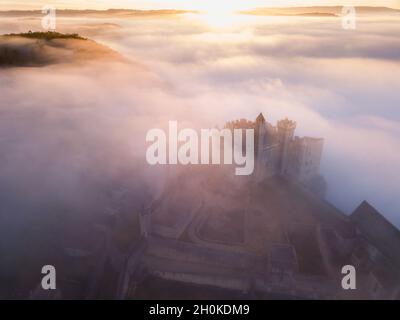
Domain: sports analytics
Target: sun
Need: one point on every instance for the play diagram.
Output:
(220, 12)
(222, 6)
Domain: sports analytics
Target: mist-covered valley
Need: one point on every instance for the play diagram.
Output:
(72, 132)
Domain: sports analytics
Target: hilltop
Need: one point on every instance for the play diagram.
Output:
(50, 35)
(45, 48)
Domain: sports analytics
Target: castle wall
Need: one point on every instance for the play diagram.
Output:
(268, 161)
(304, 158)
(232, 283)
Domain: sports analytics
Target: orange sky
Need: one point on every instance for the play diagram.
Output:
(209, 5)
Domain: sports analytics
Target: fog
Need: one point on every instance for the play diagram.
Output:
(71, 134)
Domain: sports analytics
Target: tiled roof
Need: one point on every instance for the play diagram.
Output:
(377, 230)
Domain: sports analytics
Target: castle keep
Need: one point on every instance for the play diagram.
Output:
(280, 152)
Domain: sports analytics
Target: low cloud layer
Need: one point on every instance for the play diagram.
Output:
(68, 131)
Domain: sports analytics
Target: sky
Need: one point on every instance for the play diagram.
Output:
(184, 4)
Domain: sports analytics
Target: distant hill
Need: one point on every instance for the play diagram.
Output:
(317, 11)
(98, 13)
(44, 48)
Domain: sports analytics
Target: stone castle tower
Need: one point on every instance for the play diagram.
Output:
(260, 133)
(286, 130)
(279, 151)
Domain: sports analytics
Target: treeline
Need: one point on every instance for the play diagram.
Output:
(49, 35)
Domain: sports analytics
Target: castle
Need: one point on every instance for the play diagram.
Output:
(280, 152)
(294, 242)
(272, 239)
